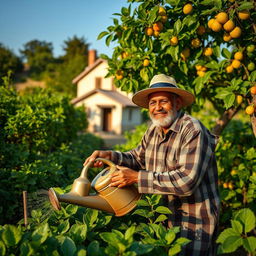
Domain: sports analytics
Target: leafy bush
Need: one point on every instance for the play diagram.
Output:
(79, 231)
(39, 145)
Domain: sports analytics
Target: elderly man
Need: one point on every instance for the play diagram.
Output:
(176, 159)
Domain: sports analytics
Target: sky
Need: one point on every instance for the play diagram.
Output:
(55, 21)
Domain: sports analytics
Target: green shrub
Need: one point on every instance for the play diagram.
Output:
(39, 145)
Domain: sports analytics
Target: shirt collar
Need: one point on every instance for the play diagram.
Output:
(175, 126)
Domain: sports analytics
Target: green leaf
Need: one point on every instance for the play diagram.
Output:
(90, 217)
(142, 203)
(249, 243)
(160, 218)
(237, 226)
(11, 235)
(68, 247)
(78, 232)
(93, 248)
(174, 250)
(82, 252)
(2, 248)
(225, 234)
(129, 232)
(108, 39)
(177, 27)
(40, 234)
(245, 6)
(251, 153)
(71, 209)
(182, 241)
(229, 100)
(102, 34)
(226, 53)
(247, 218)
(141, 249)
(252, 76)
(109, 237)
(207, 2)
(170, 236)
(63, 227)
(26, 249)
(232, 243)
(163, 209)
(144, 74)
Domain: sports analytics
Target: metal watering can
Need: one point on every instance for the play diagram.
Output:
(110, 199)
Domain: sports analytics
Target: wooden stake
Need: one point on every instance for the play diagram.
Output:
(25, 208)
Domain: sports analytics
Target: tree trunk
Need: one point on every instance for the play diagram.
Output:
(224, 120)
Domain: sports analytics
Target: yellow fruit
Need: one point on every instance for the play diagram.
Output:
(203, 68)
(200, 73)
(208, 51)
(161, 11)
(149, 31)
(236, 64)
(233, 172)
(210, 23)
(227, 37)
(200, 30)
(174, 40)
(232, 1)
(225, 185)
(238, 56)
(230, 185)
(222, 17)
(164, 18)
(229, 69)
(146, 62)
(124, 55)
(119, 74)
(196, 42)
(185, 53)
(236, 32)
(229, 25)
(239, 99)
(249, 110)
(198, 67)
(187, 9)
(216, 26)
(156, 33)
(253, 90)
(244, 15)
(158, 26)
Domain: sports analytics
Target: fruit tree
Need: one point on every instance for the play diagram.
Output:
(208, 46)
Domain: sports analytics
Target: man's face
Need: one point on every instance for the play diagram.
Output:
(163, 108)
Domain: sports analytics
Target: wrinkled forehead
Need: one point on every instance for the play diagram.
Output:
(169, 95)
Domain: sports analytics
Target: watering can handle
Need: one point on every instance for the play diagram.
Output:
(105, 161)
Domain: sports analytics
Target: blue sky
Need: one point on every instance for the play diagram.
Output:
(55, 21)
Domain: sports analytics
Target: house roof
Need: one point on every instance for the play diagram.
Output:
(116, 96)
(87, 70)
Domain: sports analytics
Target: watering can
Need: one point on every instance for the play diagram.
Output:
(110, 199)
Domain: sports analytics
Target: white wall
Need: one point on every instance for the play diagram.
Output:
(131, 118)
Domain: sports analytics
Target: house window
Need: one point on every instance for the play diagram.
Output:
(88, 112)
(130, 114)
(98, 82)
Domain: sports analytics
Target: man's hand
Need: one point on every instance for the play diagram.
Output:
(124, 177)
(96, 154)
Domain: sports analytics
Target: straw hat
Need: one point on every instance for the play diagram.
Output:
(162, 83)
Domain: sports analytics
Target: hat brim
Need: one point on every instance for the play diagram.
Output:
(141, 98)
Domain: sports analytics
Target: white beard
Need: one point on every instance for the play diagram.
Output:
(165, 121)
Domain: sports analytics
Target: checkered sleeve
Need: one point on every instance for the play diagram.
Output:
(194, 156)
(134, 159)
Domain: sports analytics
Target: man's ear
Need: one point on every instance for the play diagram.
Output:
(178, 103)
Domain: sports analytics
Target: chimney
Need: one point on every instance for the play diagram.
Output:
(91, 57)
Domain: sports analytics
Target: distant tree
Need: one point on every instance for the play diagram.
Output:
(8, 61)
(60, 75)
(38, 55)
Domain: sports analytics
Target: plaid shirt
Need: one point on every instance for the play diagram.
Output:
(181, 165)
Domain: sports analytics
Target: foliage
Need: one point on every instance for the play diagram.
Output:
(39, 145)
(240, 234)
(8, 61)
(79, 231)
(38, 55)
(59, 75)
(144, 31)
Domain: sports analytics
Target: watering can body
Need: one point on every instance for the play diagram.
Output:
(110, 199)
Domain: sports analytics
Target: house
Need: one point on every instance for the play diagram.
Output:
(108, 108)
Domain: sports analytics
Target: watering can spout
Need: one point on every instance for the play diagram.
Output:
(110, 199)
(91, 201)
